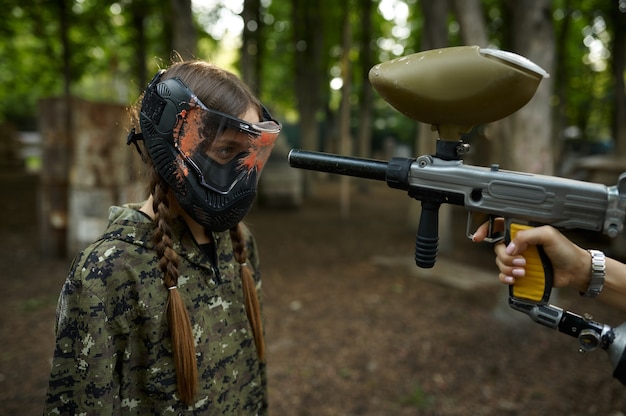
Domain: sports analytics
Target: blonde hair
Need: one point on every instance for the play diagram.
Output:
(221, 91)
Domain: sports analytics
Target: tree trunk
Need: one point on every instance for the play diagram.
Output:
(364, 133)
(345, 141)
(561, 88)
(252, 45)
(473, 30)
(138, 17)
(184, 36)
(434, 35)
(307, 37)
(618, 55)
(469, 13)
(57, 153)
(530, 140)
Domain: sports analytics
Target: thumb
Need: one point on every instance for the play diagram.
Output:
(544, 235)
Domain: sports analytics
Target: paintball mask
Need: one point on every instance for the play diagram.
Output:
(211, 160)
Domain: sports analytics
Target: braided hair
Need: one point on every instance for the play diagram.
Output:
(250, 295)
(183, 347)
(223, 92)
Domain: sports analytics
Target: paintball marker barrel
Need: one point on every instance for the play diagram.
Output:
(342, 165)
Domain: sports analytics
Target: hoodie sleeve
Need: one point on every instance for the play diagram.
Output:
(83, 377)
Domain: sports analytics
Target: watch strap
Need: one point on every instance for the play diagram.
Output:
(598, 269)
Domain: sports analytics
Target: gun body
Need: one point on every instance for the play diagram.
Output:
(534, 199)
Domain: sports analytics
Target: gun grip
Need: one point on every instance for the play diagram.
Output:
(427, 239)
(536, 285)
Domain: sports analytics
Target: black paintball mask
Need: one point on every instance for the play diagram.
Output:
(211, 160)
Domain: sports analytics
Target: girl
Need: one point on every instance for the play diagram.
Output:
(161, 315)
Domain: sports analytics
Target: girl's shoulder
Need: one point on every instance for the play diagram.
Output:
(111, 263)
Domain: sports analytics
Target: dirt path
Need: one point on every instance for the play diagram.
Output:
(352, 327)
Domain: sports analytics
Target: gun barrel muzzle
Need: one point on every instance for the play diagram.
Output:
(342, 165)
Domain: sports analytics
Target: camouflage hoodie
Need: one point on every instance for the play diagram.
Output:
(113, 352)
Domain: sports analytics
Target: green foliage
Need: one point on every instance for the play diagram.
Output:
(101, 51)
(277, 73)
(105, 62)
(584, 75)
(28, 71)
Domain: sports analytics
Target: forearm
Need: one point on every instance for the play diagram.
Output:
(614, 291)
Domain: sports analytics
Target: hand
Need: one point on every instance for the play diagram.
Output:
(571, 264)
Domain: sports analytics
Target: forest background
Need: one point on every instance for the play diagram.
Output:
(309, 60)
(353, 326)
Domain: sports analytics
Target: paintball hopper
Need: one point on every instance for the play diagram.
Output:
(456, 88)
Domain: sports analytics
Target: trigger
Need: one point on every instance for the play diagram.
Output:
(492, 236)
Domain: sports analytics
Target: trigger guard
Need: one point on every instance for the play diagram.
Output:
(491, 238)
(494, 240)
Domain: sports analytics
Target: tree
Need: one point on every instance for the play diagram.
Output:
(345, 139)
(365, 108)
(434, 35)
(137, 19)
(113, 47)
(252, 50)
(530, 136)
(308, 38)
(472, 25)
(184, 37)
(617, 18)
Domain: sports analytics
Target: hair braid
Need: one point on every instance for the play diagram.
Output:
(183, 347)
(223, 92)
(250, 295)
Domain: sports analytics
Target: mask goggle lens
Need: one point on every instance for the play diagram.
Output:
(223, 149)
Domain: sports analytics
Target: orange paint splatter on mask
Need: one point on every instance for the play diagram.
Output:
(260, 149)
(187, 138)
(188, 131)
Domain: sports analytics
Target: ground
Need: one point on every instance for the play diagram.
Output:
(353, 327)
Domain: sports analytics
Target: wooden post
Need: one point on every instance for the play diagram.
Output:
(52, 195)
(84, 176)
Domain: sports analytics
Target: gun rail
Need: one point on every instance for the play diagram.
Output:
(342, 165)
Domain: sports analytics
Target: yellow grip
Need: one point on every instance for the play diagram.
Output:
(536, 284)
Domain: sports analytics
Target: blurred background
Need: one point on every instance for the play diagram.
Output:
(72, 70)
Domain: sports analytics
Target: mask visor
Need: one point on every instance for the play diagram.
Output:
(220, 149)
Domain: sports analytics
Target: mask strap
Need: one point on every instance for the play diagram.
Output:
(133, 137)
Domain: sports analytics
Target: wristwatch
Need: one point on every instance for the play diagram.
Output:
(598, 268)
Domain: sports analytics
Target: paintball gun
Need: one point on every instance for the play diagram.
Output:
(454, 89)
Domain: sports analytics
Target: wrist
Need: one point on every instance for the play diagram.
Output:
(596, 273)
